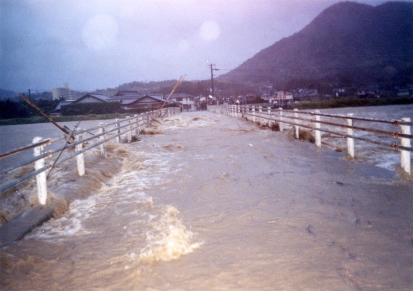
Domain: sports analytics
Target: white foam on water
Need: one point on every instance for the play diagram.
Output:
(167, 239)
(182, 122)
(124, 196)
(67, 226)
(389, 161)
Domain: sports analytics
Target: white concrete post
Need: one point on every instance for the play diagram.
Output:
(317, 133)
(269, 117)
(135, 124)
(281, 124)
(118, 131)
(296, 127)
(253, 113)
(101, 138)
(350, 141)
(260, 114)
(405, 142)
(138, 121)
(238, 111)
(80, 159)
(129, 134)
(40, 178)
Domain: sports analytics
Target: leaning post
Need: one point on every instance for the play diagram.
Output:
(405, 142)
(350, 141)
(80, 159)
(317, 132)
(41, 177)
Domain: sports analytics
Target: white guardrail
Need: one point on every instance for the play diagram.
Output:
(100, 135)
(267, 116)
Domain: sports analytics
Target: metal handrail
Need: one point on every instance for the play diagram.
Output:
(130, 125)
(291, 117)
(24, 148)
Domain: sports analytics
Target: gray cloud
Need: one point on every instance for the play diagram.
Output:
(102, 43)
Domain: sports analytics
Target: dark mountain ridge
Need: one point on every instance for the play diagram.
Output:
(347, 43)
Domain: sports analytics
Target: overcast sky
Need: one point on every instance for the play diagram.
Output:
(97, 44)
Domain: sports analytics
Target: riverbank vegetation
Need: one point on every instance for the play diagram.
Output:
(40, 119)
(12, 113)
(350, 102)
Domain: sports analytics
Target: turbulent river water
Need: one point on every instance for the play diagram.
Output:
(215, 203)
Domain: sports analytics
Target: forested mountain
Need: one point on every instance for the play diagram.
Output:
(348, 43)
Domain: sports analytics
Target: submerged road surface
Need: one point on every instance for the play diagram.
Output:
(214, 203)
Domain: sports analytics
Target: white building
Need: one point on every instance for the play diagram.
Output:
(185, 100)
(64, 92)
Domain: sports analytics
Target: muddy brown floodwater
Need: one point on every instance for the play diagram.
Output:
(214, 203)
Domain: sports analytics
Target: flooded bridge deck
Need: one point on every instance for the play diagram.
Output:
(215, 203)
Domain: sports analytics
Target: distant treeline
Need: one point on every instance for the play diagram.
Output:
(10, 109)
(351, 102)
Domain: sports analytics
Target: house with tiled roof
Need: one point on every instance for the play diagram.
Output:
(146, 102)
(93, 98)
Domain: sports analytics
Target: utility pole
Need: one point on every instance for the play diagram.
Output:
(212, 66)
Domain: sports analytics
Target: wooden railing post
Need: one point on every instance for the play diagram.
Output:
(41, 177)
(405, 142)
(350, 141)
(80, 159)
(317, 133)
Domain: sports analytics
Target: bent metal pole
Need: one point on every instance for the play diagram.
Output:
(65, 130)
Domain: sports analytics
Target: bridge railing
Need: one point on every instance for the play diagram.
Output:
(390, 134)
(82, 140)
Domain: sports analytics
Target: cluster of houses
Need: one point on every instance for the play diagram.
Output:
(278, 96)
(133, 100)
